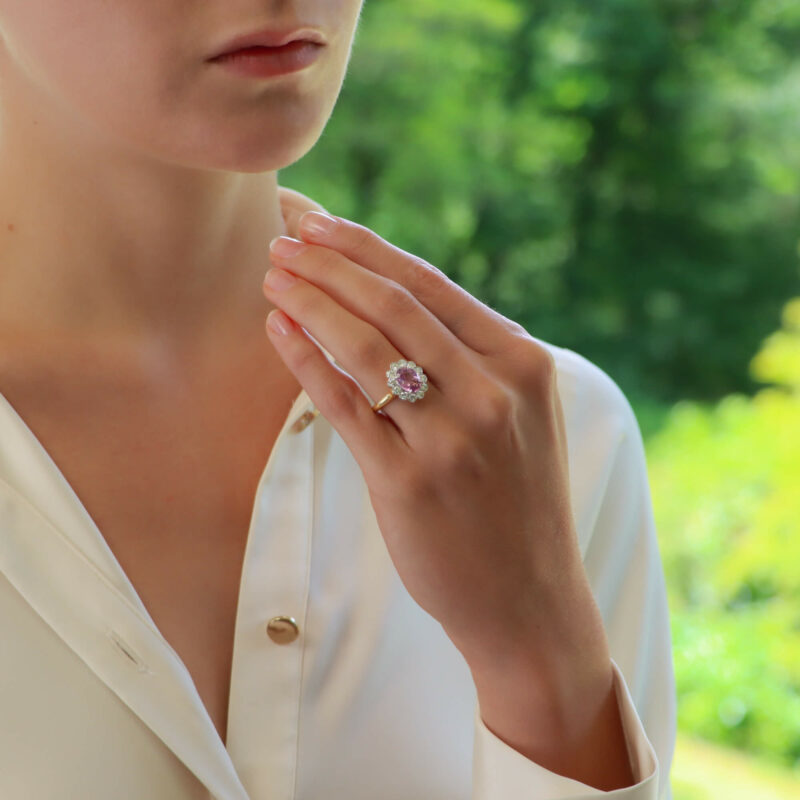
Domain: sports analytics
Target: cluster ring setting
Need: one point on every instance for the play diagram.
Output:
(406, 380)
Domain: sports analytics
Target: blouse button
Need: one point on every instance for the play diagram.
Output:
(282, 630)
(304, 420)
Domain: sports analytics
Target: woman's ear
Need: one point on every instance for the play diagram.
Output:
(293, 206)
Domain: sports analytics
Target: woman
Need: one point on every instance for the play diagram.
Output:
(236, 565)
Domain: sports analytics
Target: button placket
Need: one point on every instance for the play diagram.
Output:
(268, 650)
(304, 420)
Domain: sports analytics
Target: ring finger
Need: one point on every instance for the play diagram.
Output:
(361, 349)
(355, 343)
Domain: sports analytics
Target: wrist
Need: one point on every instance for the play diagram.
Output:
(560, 631)
(563, 696)
(552, 697)
(579, 736)
(555, 664)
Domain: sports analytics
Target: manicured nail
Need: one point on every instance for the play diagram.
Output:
(286, 247)
(315, 224)
(278, 322)
(279, 279)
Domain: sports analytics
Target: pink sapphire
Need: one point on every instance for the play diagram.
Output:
(408, 380)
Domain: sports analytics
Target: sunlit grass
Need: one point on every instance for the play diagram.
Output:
(703, 771)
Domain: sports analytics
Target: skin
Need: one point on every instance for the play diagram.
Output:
(160, 143)
(502, 573)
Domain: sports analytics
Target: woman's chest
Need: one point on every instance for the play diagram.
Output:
(370, 687)
(170, 486)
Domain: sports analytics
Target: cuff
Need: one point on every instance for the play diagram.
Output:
(499, 772)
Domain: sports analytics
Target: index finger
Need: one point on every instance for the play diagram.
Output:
(481, 328)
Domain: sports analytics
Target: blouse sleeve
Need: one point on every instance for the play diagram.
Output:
(622, 561)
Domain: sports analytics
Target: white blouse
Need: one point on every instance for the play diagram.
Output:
(364, 698)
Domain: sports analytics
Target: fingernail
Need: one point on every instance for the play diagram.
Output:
(285, 246)
(278, 322)
(316, 224)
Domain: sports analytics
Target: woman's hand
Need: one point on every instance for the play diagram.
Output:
(470, 483)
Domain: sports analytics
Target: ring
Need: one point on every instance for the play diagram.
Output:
(406, 380)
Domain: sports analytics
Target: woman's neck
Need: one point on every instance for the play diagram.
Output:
(131, 253)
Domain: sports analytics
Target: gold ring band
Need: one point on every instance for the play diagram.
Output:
(383, 401)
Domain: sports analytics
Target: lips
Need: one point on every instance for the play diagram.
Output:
(270, 38)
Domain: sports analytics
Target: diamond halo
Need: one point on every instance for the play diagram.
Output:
(406, 380)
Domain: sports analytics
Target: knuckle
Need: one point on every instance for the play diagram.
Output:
(518, 331)
(545, 365)
(369, 351)
(362, 240)
(306, 303)
(422, 278)
(395, 301)
(305, 360)
(539, 370)
(340, 400)
(326, 259)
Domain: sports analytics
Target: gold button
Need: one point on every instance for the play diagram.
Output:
(282, 630)
(304, 420)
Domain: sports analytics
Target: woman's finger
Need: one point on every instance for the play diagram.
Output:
(293, 205)
(479, 327)
(358, 346)
(338, 397)
(387, 306)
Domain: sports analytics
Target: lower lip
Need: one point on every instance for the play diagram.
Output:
(261, 62)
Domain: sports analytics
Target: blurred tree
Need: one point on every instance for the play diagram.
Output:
(620, 176)
(725, 489)
(623, 178)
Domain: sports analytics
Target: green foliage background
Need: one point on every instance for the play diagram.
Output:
(726, 491)
(620, 176)
(623, 178)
